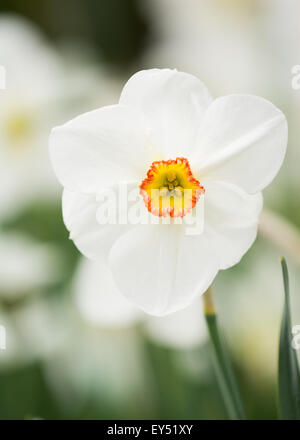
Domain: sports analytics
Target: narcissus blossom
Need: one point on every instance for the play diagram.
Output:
(166, 137)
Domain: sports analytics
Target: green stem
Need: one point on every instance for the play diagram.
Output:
(225, 374)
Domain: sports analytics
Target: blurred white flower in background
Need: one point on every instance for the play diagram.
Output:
(34, 331)
(102, 305)
(98, 365)
(26, 265)
(235, 146)
(35, 325)
(185, 329)
(89, 79)
(221, 41)
(43, 88)
(282, 33)
(28, 108)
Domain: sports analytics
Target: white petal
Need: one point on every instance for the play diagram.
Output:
(231, 220)
(98, 299)
(160, 269)
(174, 103)
(100, 148)
(242, 140)
(80, 217)
(183, 329)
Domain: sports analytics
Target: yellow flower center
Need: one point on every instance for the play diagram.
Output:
(170, 189)
(18, 127)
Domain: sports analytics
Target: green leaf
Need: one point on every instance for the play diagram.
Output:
(223, 367)
(288, 368)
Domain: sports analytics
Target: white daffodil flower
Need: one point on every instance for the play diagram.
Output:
(102, 305)
(167, 136)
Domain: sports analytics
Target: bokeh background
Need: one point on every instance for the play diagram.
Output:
(73, 351)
